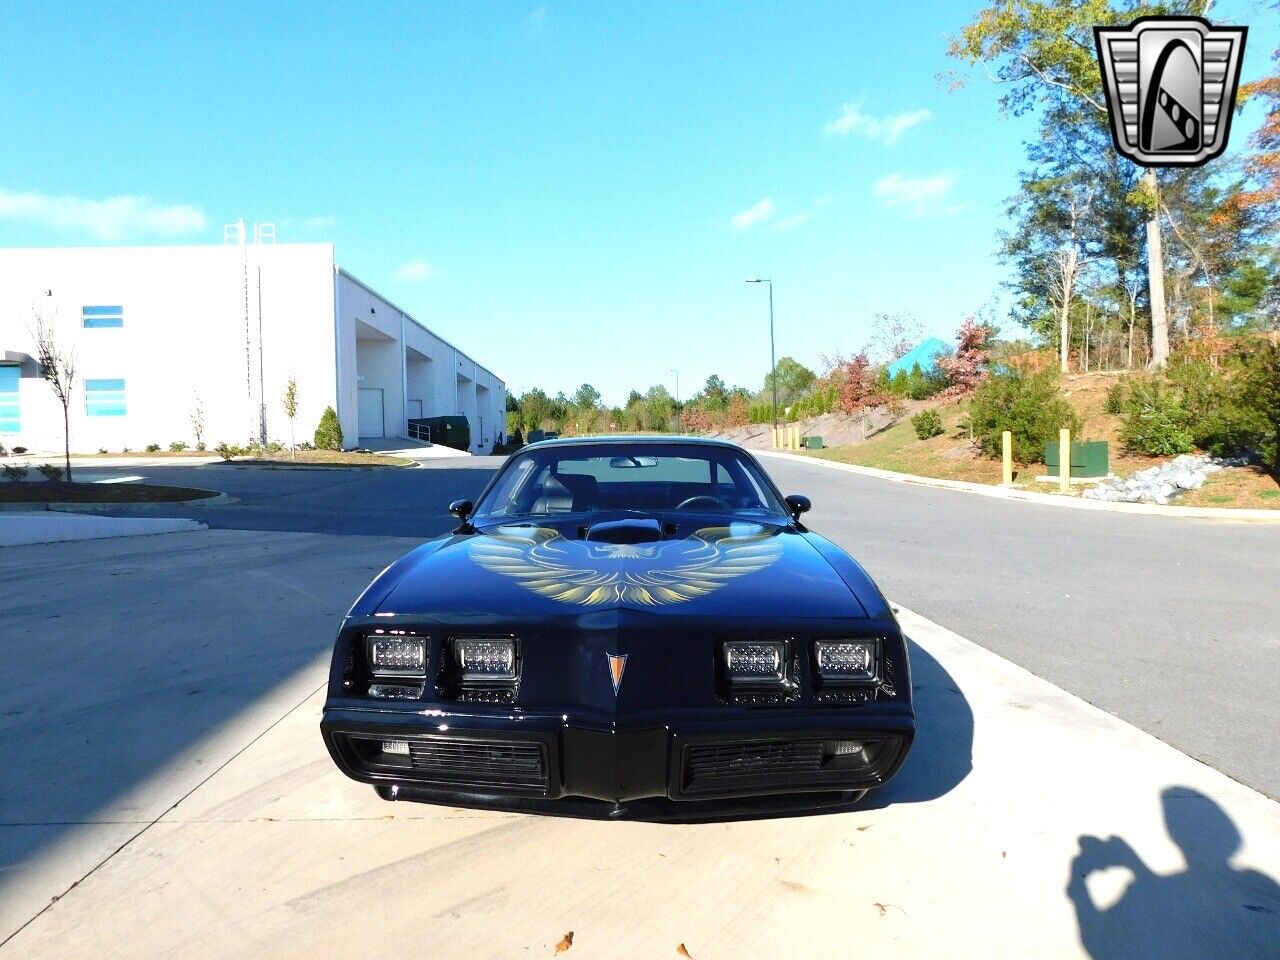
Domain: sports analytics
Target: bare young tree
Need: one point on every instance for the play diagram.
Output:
(1069, 264)
(58, 367)
(893, 335)
(197, 422)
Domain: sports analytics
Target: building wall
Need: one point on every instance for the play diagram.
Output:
(184, 335)
(387, 349)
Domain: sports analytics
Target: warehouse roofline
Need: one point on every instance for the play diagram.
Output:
(414, 320)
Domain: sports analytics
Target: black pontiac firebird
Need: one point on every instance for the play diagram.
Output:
(623, 627)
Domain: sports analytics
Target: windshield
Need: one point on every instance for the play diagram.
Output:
(655, 478)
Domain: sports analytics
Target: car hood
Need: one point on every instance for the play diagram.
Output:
(735, 570)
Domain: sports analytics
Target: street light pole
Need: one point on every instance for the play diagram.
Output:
(679, 417)
(773, 353)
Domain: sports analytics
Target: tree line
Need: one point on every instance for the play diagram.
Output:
(1114, 265)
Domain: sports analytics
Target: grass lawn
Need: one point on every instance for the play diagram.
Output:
(43, 491)
(324, 458)
(950, 456)
(1237, 487)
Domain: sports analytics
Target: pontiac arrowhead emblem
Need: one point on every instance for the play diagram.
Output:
(617, 663)
(1171, 88)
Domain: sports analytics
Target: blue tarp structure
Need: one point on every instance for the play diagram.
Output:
(925, 355)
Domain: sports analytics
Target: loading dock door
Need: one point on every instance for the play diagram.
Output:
(370, 412)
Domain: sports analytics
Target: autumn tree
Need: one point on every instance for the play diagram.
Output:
(1263, 165)
(968, 366)
(858, 387)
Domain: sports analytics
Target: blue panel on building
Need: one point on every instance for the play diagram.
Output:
(10, 422)
(925, 356)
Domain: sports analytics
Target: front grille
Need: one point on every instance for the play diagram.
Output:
(729, 766)
(468, 762)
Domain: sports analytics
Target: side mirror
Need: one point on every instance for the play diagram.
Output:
(798, 505)
(461, 509)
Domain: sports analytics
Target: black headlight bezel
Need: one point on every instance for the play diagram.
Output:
(821, 680)
(779, 682)
(392, 673)
(458, 676)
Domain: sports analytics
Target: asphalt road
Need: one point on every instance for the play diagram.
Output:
(1170, 624)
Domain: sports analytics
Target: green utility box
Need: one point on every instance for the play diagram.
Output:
(813, 443)
(1089, 459)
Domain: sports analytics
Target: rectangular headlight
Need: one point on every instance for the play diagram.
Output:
(391, 656)
(755, 661)
(847, 661)
(485, 659)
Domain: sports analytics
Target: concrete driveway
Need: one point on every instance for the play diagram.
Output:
(165, 792)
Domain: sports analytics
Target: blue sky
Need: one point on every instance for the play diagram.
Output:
(569, 191)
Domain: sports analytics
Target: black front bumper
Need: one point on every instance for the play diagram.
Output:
(554, 764)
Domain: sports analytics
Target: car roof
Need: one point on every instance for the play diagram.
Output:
(665, 439)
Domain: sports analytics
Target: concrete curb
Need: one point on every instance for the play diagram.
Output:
(29, 529)
(1220, 514)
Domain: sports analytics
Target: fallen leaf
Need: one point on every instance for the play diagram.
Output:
(884, 907)
(1004, 854)
(794, 886)
(565, 942)
(867, 827)
(684, 951)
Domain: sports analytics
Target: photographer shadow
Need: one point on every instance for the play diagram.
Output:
(1210, 909)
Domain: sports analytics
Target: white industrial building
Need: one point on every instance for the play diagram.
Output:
(159, 331)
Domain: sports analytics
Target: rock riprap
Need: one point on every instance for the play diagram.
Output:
(1162, 483)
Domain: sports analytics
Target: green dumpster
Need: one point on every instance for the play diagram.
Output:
(813, 443)
(1088, 459)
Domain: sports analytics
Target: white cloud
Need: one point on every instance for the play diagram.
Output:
(758, 212)
(885, 129)
(536, 21)
(318, 224)
(823, 200)
(115, 218)
(417, 271)
(918, 195)
(790, 223)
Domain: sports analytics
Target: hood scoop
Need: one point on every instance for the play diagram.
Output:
(625, 531)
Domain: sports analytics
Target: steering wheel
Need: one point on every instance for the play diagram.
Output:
(702, 500)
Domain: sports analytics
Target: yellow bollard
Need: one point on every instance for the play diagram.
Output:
(773, 431)
(1064, 460)
(797, 440)
(1006, 440)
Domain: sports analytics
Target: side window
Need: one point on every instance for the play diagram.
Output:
(99, 318)
(9, 419)
(104, 398)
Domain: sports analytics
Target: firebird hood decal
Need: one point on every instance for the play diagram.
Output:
(591, 574)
